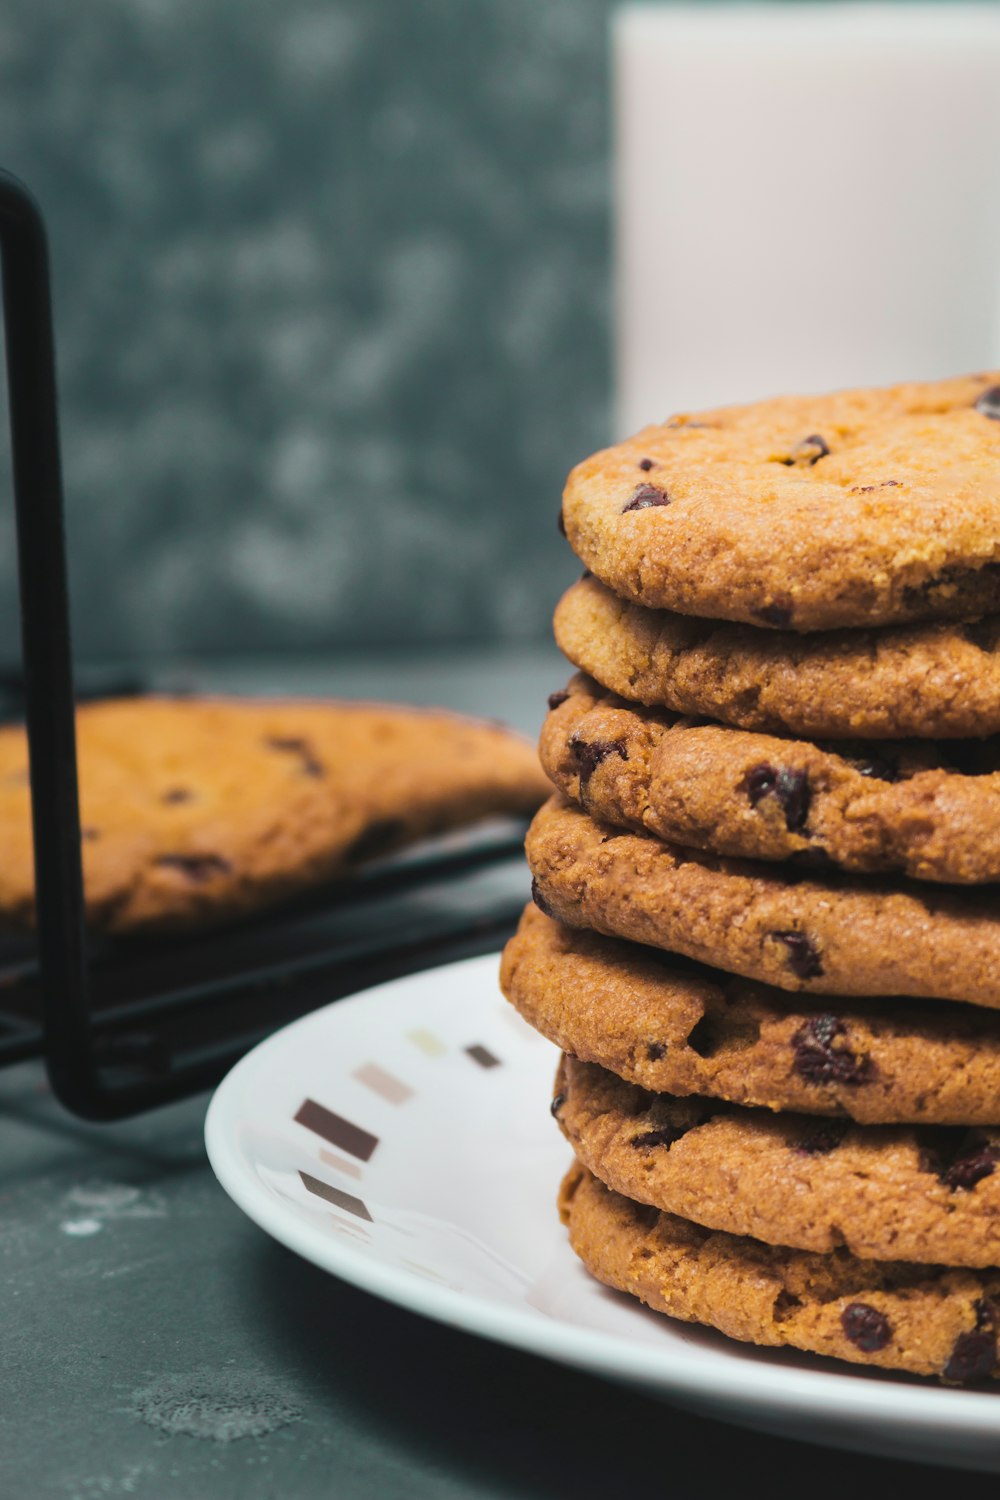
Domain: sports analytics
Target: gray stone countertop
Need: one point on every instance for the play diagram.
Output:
(155, 1343)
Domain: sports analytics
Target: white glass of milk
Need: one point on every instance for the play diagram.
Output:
(807, 197)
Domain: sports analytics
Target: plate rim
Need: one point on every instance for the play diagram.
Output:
(778, 1390)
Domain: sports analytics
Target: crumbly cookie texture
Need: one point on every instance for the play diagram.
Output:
(195, 810)
(924, 681)
(845, 937)
(927, 1321)
(926, 1194)
(804, 512)
(672, 1026)
(866, 808)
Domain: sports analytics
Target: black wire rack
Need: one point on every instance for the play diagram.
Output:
(124, 1026)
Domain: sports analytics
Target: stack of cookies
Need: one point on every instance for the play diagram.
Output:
(766, 930)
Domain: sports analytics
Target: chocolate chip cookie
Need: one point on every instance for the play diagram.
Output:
(928, 1194)
(926, 681)
(871, 808)
(673, 1026)
(844, 937)
(804, 512)
(928, 1321)
(195, 810)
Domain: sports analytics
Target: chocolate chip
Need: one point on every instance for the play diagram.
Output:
(988, 404)
(378, 838)
(789, 786)
(793, 793)
(663, 1135)
(868, 489)
(803, 956)
(561, 523)
(775, 614)
(974, 1354)
(540, 901)
(759, 781)
(644, 496)
(197, 867)
(89, 835)
(877, 768)
(656, 1050)
(866, 1327)
(556, 698)
(588, 754)
(970, 1165)
(557, 1103)
(817, 1060)
(646, 464)
(308, 764)
(822, 1141)
(809, 451)
(176, 794)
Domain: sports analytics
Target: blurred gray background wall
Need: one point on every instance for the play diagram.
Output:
(332, 310)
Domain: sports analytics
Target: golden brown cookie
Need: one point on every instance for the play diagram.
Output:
(926, 1194)
(928, 1321)
(863, 808)
(924, 681)
(845, 937)
(804, 512)
(673, 1026)
(194, 810)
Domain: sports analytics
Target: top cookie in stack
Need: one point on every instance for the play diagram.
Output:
(863, 508)
(773, 783)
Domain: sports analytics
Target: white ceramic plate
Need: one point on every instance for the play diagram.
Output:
(401, 1139)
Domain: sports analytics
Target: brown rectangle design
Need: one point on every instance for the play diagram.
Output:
(336, 1196)
(392, 1089)
(335, 1129)
(483, 1056)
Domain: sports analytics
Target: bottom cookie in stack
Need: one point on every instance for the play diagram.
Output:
(872, 1242)
(925, 1320)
